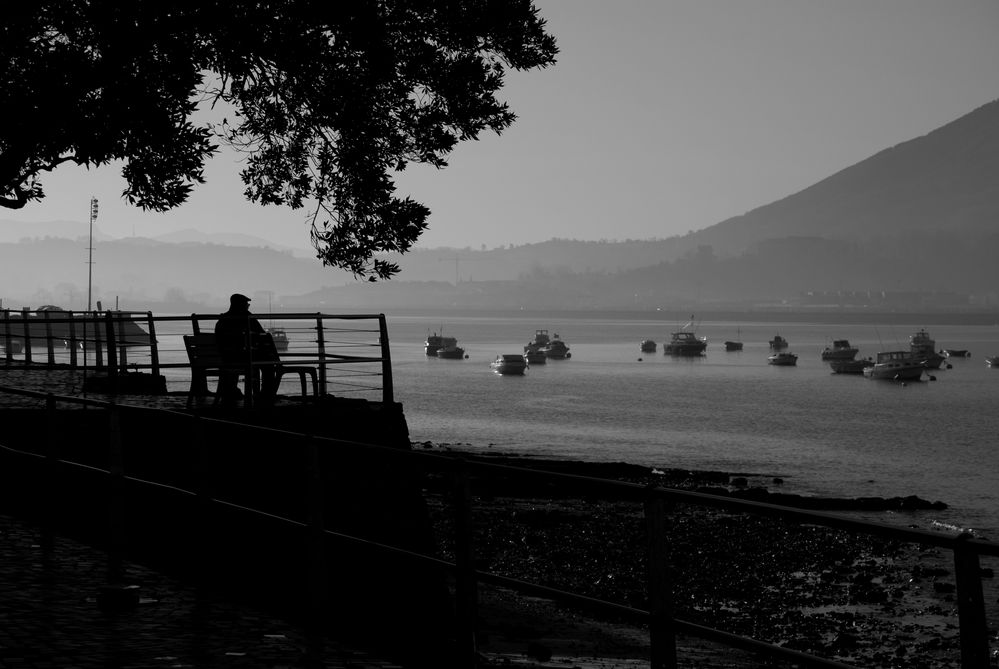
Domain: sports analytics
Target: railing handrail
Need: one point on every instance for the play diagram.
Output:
(113, 346)
(962, 545)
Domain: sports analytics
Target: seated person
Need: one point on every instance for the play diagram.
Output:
(237, 333)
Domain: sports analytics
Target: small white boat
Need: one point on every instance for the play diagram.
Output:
(992, 361)
(896, 366)
(509, 363)
(783, 359)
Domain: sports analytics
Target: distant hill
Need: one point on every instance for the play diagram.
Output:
(918, 219)
(946, 181)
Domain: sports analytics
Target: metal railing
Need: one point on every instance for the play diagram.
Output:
(350, 352)
(658, 615)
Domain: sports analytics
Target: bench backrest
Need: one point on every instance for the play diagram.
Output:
(203, 349)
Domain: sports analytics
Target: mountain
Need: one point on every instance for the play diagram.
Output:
(946, 181)
(915, 222)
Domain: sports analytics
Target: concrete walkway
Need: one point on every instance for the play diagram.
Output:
(50, 618)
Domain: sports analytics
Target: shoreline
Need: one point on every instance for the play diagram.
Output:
(858, 599)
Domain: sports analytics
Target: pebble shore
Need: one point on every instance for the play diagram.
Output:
(861, 600)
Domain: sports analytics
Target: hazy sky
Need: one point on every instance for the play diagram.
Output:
(661, 116)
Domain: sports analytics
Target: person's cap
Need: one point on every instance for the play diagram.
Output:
(237, 298)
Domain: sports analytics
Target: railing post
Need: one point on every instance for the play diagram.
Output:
(116, 496)
(27, 335)
(466, 585)
(8, 344)
(154, 352)
(98, 351)
(204, 496)
(112, 351)
(321, 354)
(316, 584)
(388, 393)
(52, 494)
(662, 635)
(72, 340)
(49, 348)
(970, 606)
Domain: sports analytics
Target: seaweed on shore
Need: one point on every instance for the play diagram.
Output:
(857, 598)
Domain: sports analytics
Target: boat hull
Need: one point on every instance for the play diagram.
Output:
(850, 366)
(783, 359)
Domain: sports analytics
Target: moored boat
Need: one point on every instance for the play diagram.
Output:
(896, 366)
(648, 346)
(923, 348)
(280, 338)
(850, 366)
(450, 350)
(778, 343)
(957, 353)
(840, 349)
(534, 355)
(734, 345)
(685, 343)
(432, 344)
(509, 363)
(783, 359)
(557, 349)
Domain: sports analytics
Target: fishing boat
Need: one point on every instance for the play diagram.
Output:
(924, 349)
(840, 349)
(557, 349)
(778, 343)
(734, 345)
(534, 355)
(541, 339)
(509, 363)
(685, 343)
(433, 344)
(896, 366)
(850, 366)
(648, 346)
(280, 338)
(450, 350)
(783, 359)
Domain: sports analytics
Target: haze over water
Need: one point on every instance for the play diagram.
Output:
(823, 433)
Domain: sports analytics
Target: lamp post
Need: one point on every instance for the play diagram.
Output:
(90, 249)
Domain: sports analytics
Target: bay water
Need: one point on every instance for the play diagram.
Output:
(821, 433)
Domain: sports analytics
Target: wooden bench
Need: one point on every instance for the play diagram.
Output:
(206, 360)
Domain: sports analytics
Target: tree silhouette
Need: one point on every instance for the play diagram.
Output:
(327, 99)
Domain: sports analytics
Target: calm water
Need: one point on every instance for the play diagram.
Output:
(822, 433)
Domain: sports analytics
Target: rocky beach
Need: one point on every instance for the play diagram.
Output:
(859, 599)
